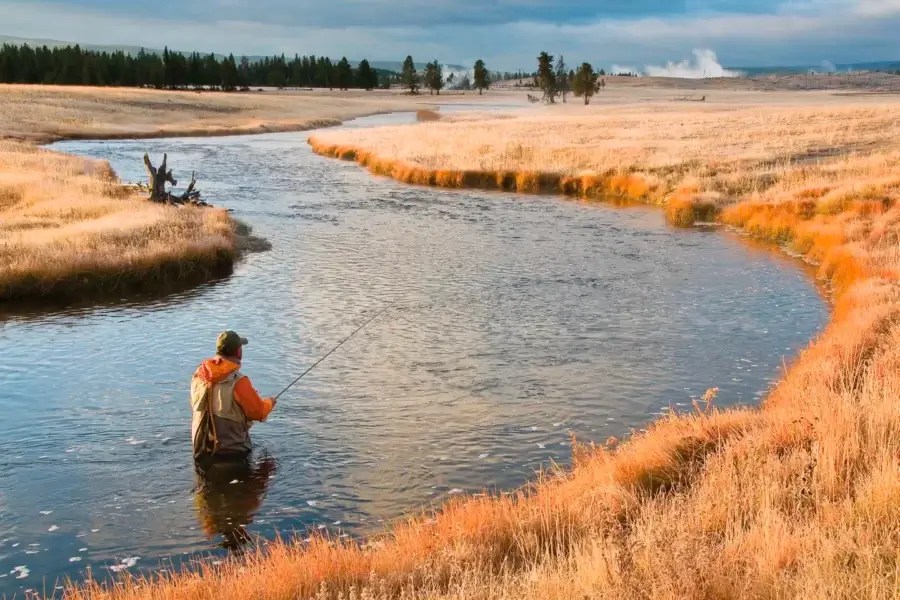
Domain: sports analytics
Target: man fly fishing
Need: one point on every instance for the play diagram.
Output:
(225, 404)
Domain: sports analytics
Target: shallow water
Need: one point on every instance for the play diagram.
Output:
(519, 320)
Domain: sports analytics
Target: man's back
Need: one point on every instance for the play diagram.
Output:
(224, 403)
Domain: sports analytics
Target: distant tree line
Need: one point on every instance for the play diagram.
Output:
(73, 65)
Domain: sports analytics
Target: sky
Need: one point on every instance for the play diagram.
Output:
(508, 34)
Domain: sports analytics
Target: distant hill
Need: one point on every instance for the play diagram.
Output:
(18, 41)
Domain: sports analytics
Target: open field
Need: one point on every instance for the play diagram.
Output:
(693, 157)
(799, 499)
(49, 113)
(69, 229)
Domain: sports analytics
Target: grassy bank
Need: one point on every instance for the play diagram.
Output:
(692, 159)
(68, 229)
(799, 499)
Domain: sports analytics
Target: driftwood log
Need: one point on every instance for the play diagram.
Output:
(157, 185)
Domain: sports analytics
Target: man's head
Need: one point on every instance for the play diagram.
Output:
(229, 343)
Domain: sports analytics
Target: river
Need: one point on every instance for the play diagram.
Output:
(519, 320)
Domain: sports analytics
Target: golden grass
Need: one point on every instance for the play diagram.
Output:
(696, 159)
(800, 499)
(47, 113)
(68, 229)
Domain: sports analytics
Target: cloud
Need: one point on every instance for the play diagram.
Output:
(508, 34)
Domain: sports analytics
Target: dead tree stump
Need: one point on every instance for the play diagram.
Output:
(158, 179)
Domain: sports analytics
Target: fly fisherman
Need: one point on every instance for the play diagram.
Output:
(225, 403)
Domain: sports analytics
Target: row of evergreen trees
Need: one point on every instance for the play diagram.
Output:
(73, 65)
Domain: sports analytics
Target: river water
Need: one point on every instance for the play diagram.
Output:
(519, 319)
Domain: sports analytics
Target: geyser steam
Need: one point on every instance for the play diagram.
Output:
(704, 65)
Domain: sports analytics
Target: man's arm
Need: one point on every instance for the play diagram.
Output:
(254, 407)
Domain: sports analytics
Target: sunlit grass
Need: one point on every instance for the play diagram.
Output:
(68, 228)
(43, 113)
(799, 499)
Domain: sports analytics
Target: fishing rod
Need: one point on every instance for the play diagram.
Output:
(341, 343)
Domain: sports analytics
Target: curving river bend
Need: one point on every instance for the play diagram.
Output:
(520, 319)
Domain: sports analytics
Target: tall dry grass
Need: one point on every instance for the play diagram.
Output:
(799, 499)
(68, 228)
(694, 159)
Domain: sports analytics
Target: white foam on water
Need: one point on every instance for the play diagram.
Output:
(312, 502)
(336, 523)
(557, 424)
(125, 563)
(533, 428)
(46, 512)
(135, 442)
(233, 481)
(82, 549)
(74, 559)
(21, 572)
(94, 530)
(16, 545)
(455, 491)
(541, 446)
(483, 455)
(320, 527)
(53, 528)
(31, 552)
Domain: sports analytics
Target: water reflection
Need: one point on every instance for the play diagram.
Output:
(229, 493)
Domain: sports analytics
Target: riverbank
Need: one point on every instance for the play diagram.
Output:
(800, 499)
(69, 229)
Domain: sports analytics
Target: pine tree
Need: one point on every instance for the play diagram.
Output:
(546, 78)
(409, 77)
(562, 78)
(434, 77)
(482, 76)
(230, 77)
(244, 74)
(366, 77)
(586, 84)
(344, 74)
